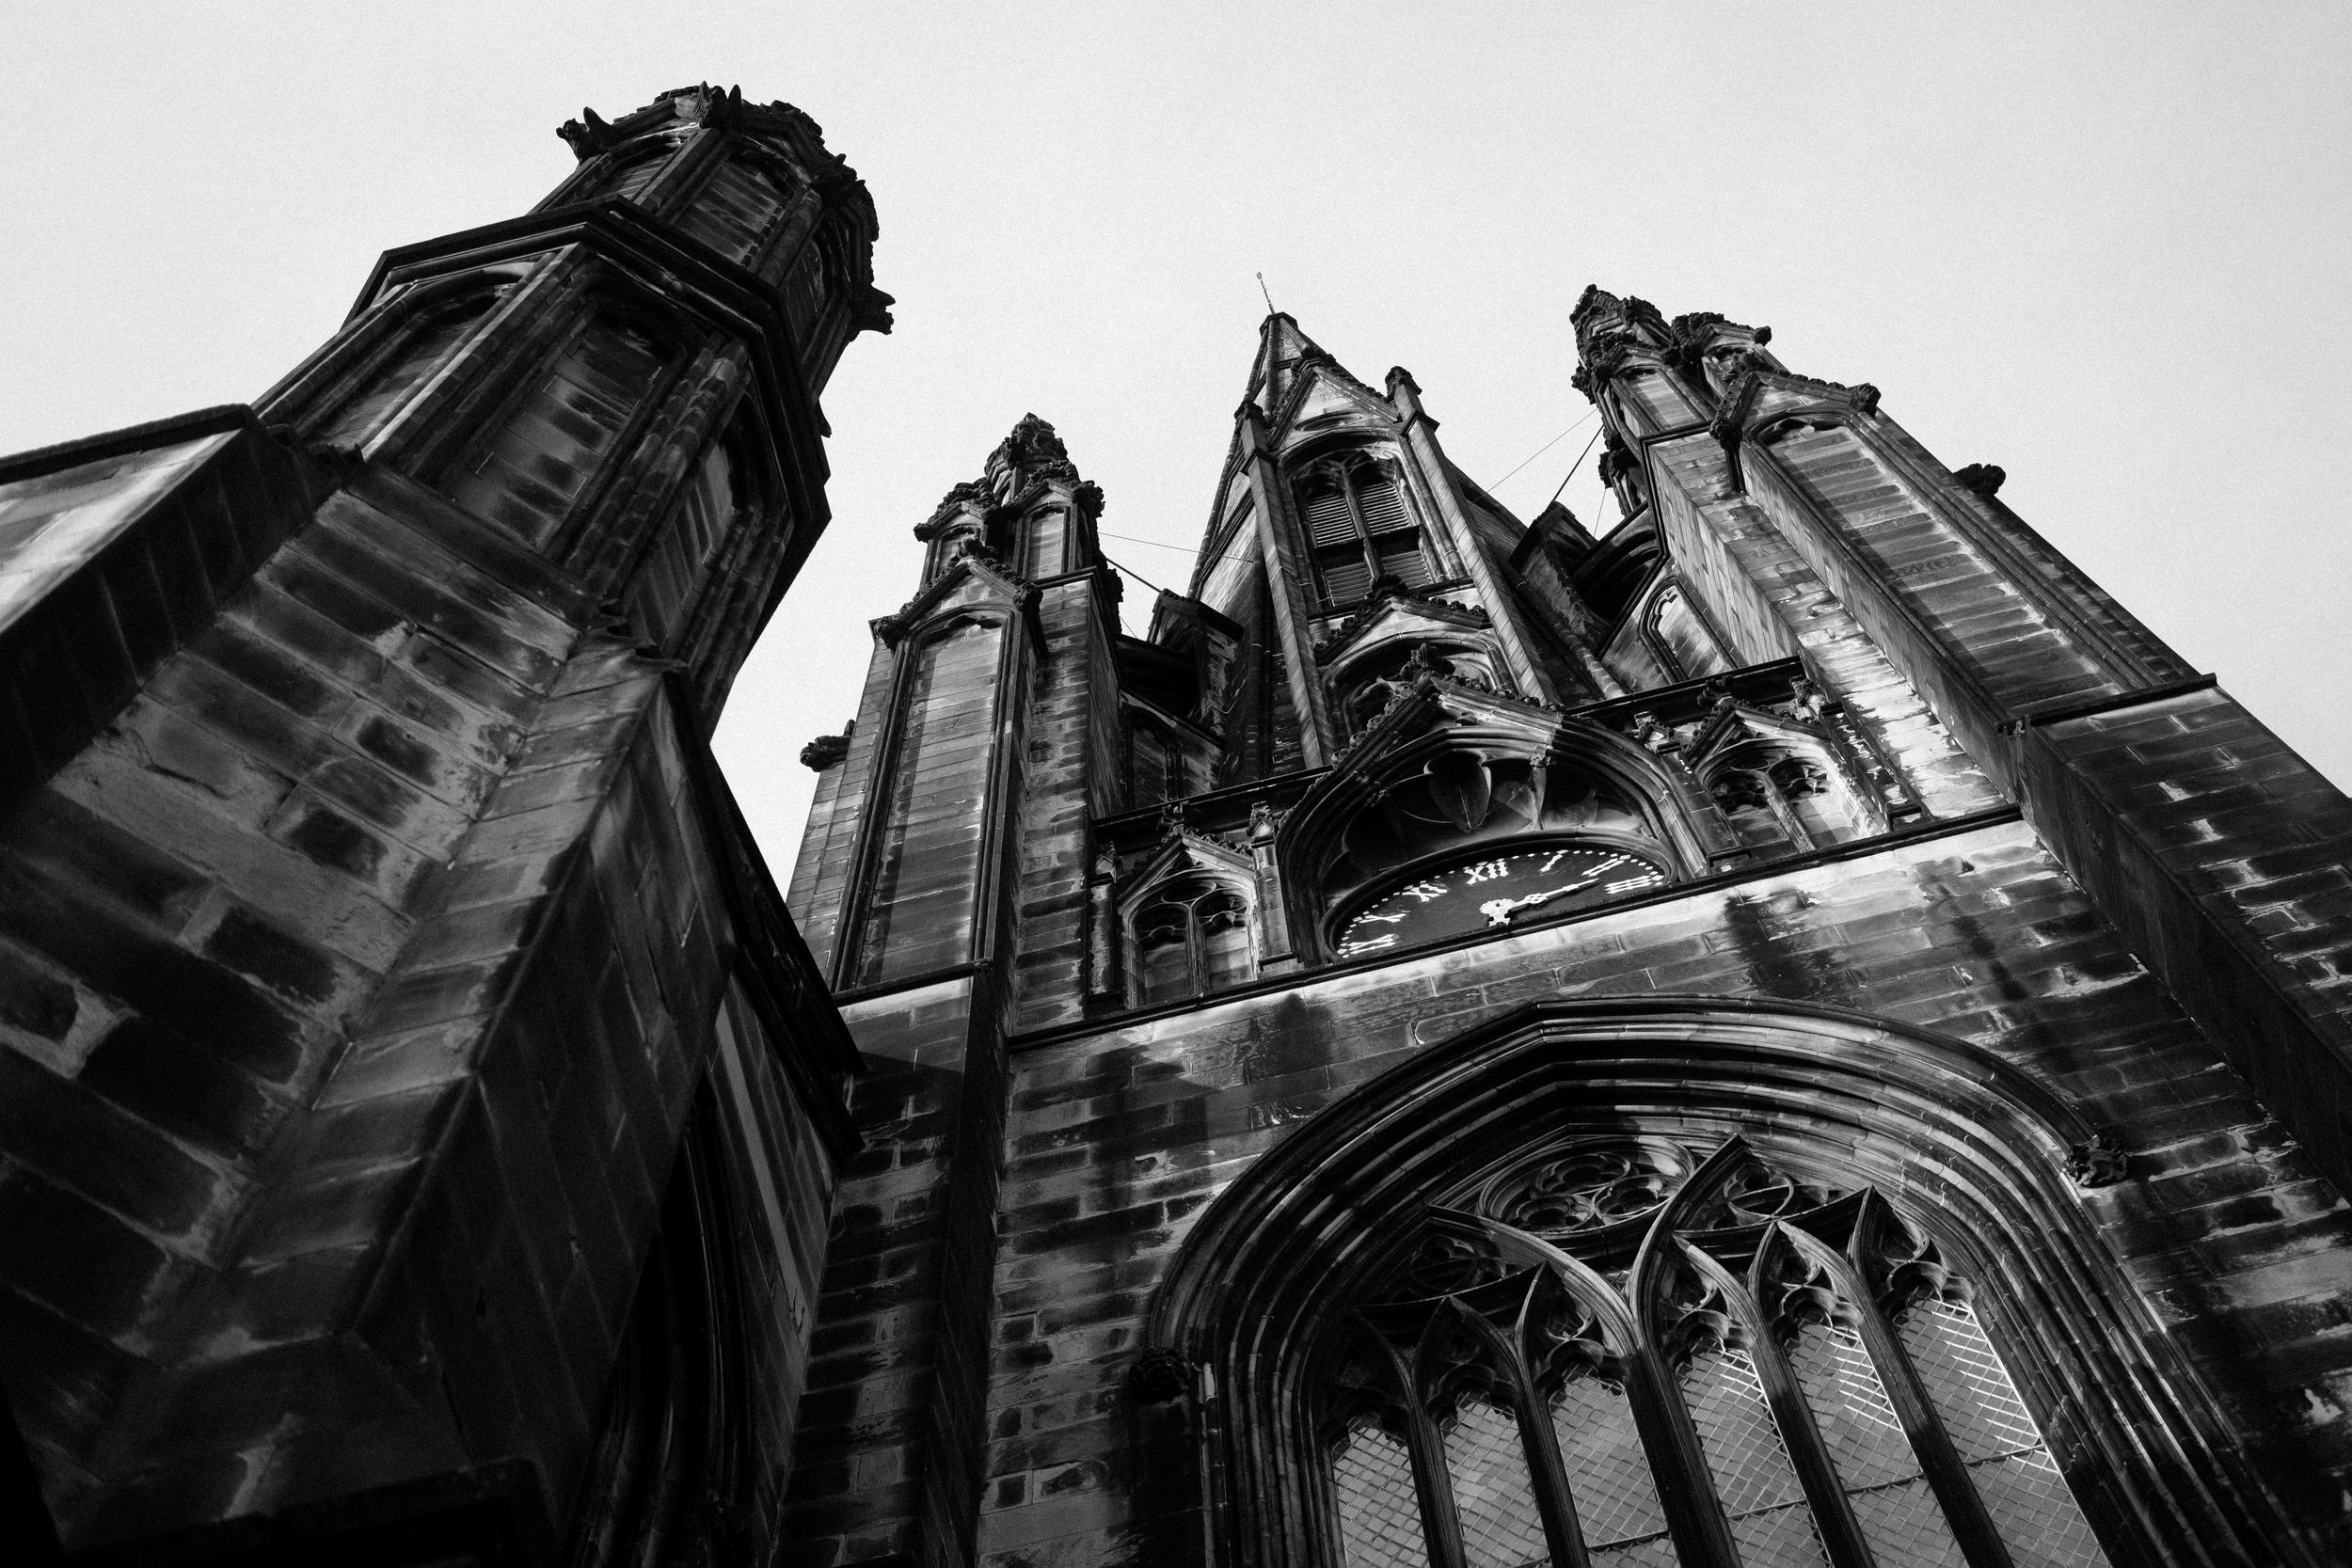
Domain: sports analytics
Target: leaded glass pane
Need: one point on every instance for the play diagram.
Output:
(1779, 1538)
(1753, 1475)
(1372, 1483)
(1616, 1500)
(1904, 1524)
(1969, 1386)
(1493, 1499)
(2035, 1516)
(1898, 1513)
(1656, 1552)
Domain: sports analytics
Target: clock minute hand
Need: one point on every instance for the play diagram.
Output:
(1499, 910)
(1534, 898)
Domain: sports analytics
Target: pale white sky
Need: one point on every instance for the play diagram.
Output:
(2101, 245)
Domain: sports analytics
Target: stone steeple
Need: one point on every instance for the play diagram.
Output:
(419, 1101)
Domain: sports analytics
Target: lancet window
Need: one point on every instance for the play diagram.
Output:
(735, 209)
(1629, 1352)
(1359, 527)
(1679, 638)
(1788, 803)
(1189, 935)
(1155, 763)
(716, 494)
(425, 342)
(530, 470)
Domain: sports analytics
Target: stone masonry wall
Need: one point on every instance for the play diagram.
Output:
(891, 1430)
(360, 978)
(1118, 1138)
(1752, 581)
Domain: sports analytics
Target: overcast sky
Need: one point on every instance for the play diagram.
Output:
(2104, 246)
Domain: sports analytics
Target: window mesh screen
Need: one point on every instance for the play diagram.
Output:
(2037, 1516)
(1492, 1496)
(1616, 1500)
(1844, 1427)
(1753, 1475)
(1372, 1482)
(1892, 1501)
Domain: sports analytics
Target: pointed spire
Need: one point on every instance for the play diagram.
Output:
(1285, 353)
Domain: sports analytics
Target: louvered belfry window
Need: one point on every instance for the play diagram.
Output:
(1633, 1352)
(1361, 527)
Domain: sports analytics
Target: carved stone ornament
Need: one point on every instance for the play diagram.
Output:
(1695, 333)
(2101, 1161)
(827, 751)
(871, 311)
(589, 134)
(1264, 820)
(1031, 445)
(889, 628)
(1159, 1376)
(1386, 590)
(1983, 479)
(972, 496)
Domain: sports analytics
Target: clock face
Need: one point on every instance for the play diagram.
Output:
(1485, 895)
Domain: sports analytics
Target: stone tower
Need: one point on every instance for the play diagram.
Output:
(1795, 1032)
(417, 1116)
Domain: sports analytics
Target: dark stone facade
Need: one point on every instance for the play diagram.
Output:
(420, 1115)
(1954, 884)
(1178, 1087)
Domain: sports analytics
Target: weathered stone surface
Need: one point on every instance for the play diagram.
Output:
(374, 929)
(2081, 874)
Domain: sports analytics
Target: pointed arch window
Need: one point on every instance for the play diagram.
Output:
(530, 470)
(735, 208)
(1155, 762)
(425, 342)
(1788, 803)
(1361, 527)
(1753, 1368)
(717, 494)
(1680, 639)
(1189, 935)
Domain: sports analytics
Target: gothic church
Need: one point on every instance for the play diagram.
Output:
(1792, 1033)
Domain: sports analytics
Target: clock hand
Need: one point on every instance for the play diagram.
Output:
(1499, 910)
(1534, 898)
